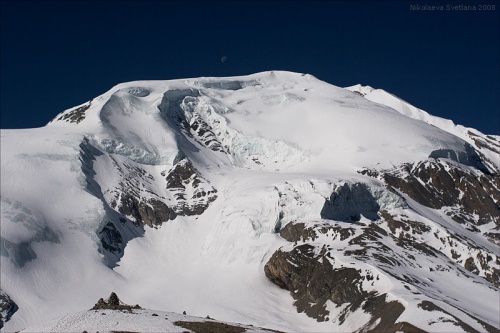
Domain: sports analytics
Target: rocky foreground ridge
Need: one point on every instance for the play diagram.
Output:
(112, 315)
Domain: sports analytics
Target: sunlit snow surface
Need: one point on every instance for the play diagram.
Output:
(275, 144)
(141, 320)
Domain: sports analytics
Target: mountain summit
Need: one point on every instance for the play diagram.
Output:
(273, 199)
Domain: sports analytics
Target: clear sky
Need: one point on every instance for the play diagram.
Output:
(58, 54)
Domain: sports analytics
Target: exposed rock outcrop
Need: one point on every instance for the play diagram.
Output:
(186, 193)
(113, 303)
(208, 326)
(437, 184)
(150, 211)
(7, 308)
(111, 239)
(75, 115)
(310, 268)
(192, 192)
(301, 232)
(313, 281)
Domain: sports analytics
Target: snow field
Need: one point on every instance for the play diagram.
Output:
(309, 137)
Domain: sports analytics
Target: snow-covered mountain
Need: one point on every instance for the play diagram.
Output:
(273, 199)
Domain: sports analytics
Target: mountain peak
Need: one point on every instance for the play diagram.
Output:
(363, 211)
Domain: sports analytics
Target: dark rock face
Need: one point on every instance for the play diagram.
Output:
(76, 115)
(184, 176)
(300, 232)
(469, 199)
(394, 244)
(408, 226)
(437, 184)
(307, 272)
(180, 180)
(408, 232)
(313, 281)
(180, 175)
(7, 308)
(204, 134)
(150, 212)
(219, 327)
(349, 202)
(470, 265)
(297, 232)
(113, 303)
(111, 239)
(134, 200)
(209, 326)
(113, 299)
(186, 192)
(387, 313)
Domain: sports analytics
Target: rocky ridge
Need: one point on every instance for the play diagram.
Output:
(7, 308)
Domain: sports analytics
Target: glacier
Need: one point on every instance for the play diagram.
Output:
(242, 197)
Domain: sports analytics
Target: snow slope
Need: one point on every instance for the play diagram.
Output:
(173, 194)
(127, 321)
(488, 145)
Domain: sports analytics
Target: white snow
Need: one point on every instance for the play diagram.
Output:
(387, 99)
(309, 137)
(137, 320)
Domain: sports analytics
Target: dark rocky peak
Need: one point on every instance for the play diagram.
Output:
(204, 134)
(181, 174)
(469, 198)
(184, 178)
(111, 238)
(75, 115)
(7, 308)
(113, 303)
(394, 246)
(151, 212)
(313, 281)
(185, 193)
(304, 232)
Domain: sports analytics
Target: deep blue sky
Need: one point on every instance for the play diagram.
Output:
(57, 54)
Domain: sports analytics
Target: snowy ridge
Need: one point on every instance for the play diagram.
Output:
(273, 199)
(383, 97)
(489, 145)
(142, 320)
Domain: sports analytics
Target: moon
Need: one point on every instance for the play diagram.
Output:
(223, 59)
